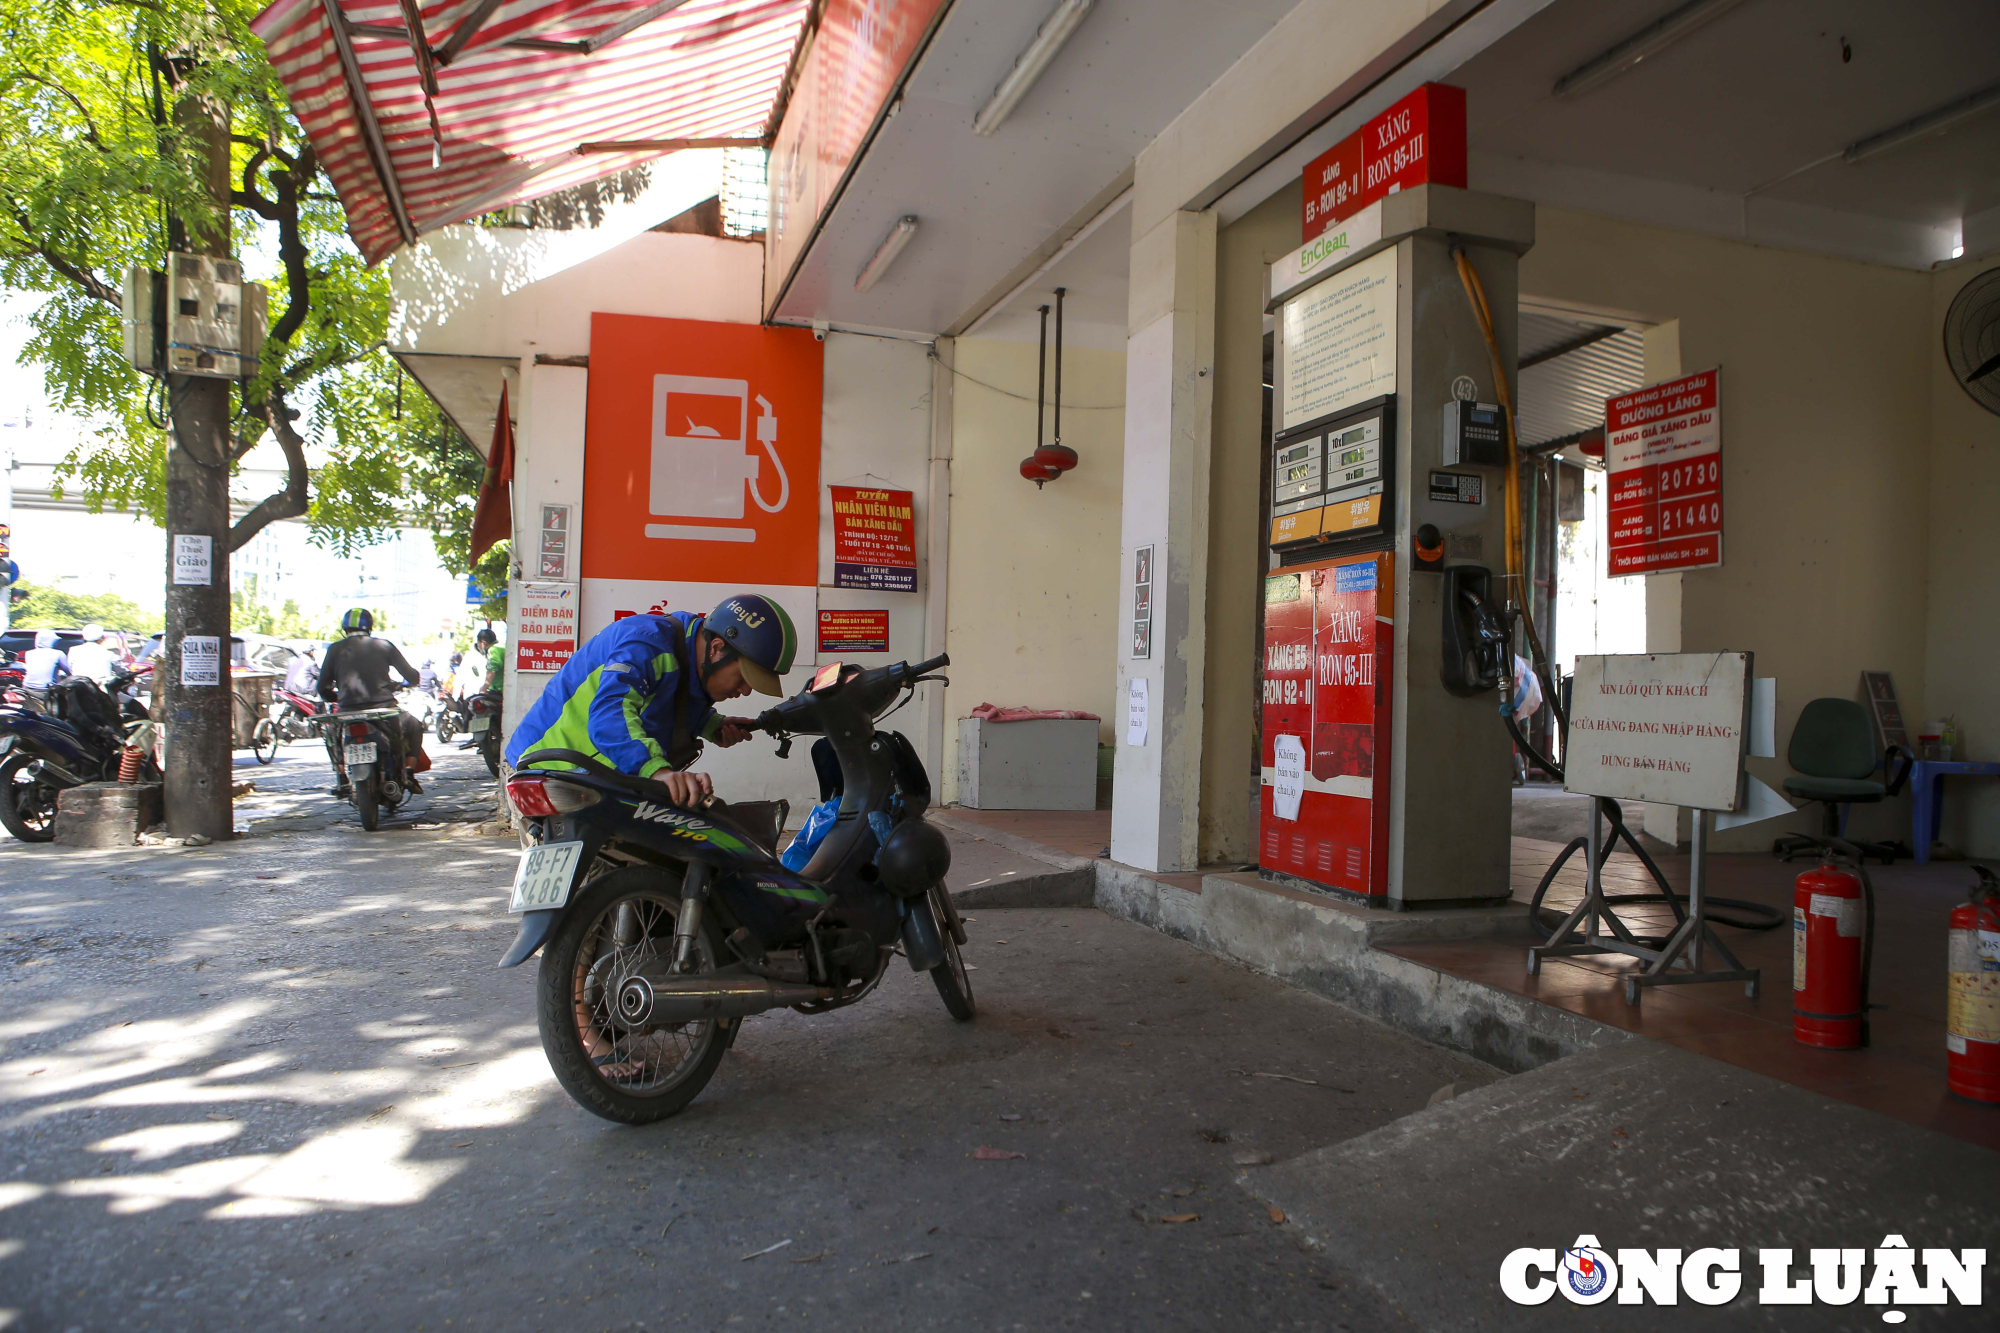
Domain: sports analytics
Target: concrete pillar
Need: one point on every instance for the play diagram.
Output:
(1155, 816)
(1451, 793)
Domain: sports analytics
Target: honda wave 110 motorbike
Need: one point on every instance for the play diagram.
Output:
(378, 765)
(485, 727)
(81, 737)
(662, 927)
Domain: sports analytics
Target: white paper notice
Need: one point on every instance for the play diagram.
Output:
(1135, 711)
(1340, 341)
(1764, 718)
(191, 559)
(1288, 776)
(1759, 803)
(201, 658)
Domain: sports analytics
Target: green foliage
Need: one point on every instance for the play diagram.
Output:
(249, 614)
(95, 169)
(43, 607)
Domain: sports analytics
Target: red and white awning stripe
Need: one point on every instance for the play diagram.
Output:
(521, 85)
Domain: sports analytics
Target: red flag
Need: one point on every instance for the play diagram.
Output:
(493, 520)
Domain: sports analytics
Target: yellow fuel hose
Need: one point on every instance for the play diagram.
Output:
(1475, 295)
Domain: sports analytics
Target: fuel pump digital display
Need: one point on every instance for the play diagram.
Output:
(1332, 480)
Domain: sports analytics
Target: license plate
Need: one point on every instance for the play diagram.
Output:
(361, 754)
(542, 880)
(481, 723)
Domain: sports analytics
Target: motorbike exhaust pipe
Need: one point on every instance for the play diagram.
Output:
(644, 1000)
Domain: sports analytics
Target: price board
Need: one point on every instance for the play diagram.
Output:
(1663, 459)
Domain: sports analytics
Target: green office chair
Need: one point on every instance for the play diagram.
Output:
(1833, 749)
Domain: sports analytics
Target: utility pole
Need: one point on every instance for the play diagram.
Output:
(193, 671)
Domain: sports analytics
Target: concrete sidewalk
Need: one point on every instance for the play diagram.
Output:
(1641, 1145)
(280, 1082)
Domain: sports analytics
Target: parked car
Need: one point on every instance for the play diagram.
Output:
(258, 652)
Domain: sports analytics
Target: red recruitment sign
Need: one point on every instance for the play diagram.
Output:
(874, 539)
(1663, 463)
(844, 631)
(1419, 140)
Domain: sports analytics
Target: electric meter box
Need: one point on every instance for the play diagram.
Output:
(1474, 434)
(199, 318)
(1333, 481)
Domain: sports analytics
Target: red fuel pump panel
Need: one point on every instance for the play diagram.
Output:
(1328, 640)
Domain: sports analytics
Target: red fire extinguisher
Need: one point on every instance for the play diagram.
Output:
(1972, 1019)
(1832, 926)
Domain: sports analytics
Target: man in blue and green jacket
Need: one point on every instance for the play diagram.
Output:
(641, 695)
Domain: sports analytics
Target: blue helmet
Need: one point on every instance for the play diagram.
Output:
(759, 632)
(358, 621)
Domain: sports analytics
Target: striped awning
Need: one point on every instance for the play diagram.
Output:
(507, 100)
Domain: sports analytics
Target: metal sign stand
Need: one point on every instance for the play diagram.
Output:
(1580, 933)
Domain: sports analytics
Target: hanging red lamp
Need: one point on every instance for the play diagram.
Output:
(1050, 460)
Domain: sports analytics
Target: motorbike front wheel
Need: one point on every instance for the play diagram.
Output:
(27, 803)
(633, 1076)
(954, 981)
(264, 742)
(445, 730)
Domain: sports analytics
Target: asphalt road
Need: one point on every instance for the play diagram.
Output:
(280, 1083)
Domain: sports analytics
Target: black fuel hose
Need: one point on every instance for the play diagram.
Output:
(1756, 916)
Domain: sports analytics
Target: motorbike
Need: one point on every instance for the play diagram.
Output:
(293, 714)
(485, 727)
(454, 716)
(82, 736)
(377, 763)
(661, 928)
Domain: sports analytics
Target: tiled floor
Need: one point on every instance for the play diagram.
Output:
(1078, 832)
(1901, 1073)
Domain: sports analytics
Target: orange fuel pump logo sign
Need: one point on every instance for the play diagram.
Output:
(701, 452)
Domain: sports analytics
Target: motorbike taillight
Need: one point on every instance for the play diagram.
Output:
(479, 707)
(358, 730)
(535, 797)
(530, 796)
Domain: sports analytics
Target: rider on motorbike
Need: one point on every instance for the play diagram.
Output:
(355, 675)
(641, 695)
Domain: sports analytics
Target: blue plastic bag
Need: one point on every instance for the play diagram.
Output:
(807, 840)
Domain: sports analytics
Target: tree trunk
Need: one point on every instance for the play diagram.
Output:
(198, 715)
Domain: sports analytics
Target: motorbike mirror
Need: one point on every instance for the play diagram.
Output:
(784, 746)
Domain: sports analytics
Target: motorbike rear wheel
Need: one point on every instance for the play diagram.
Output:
(27, 803)
(489, 748)
(954, 981)
(445, 730)
(368, 801)
(634, 1077)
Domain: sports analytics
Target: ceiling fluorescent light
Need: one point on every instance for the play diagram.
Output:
(1931, 122)
(885, 253)
(1648, 41)
(1049, 39)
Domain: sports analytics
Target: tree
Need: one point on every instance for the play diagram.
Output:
(93, 164)
(40, 607)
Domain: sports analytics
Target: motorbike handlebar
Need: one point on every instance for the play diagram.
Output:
(925, 668)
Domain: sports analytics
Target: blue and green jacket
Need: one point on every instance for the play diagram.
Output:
(616, 699)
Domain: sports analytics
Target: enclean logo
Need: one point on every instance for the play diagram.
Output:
(1321, 250)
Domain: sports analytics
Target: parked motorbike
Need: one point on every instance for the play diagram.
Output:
(377, 763)
(662, 928)
(454, 717)
(80, 737)
(293, 715)
(486, 729)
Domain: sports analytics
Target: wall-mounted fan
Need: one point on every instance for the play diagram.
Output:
(1972, 339)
